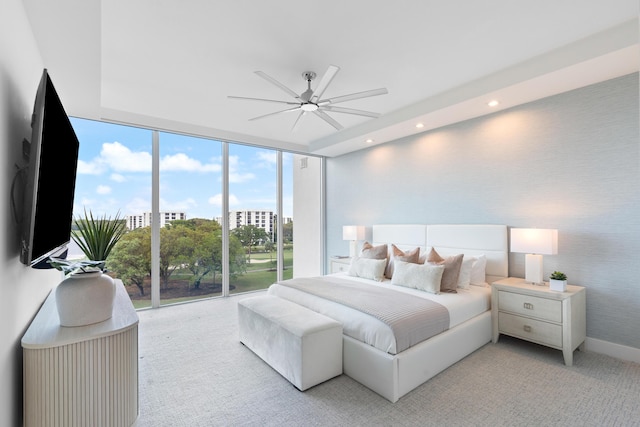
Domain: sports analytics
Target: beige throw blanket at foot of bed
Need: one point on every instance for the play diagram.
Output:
(411, 319)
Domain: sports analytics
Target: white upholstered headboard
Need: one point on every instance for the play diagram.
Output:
(404, 236)
(452, 239)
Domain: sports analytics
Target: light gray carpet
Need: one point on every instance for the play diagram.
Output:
(195, 372)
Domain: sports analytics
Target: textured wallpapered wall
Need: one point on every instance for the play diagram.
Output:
(571, 162)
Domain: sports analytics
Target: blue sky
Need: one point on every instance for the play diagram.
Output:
(114, 173)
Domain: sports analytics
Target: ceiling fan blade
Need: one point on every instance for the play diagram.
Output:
(295, 124)
(351, 97)
(324, 116)
(324, 82)
(277, 112)
(263, 99)
(278, 84)
(350, 111)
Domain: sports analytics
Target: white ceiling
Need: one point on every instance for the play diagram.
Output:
(171, 64)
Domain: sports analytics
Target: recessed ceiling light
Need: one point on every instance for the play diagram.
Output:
(493, 103)
(369, 141)
(419, 125)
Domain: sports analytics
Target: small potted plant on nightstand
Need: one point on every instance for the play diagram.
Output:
(558, 281)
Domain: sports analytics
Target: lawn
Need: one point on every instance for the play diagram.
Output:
(259, 275)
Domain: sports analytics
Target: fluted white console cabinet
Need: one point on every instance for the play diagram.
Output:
(82, 376)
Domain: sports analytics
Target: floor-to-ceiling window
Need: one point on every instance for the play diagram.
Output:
(287, 216)
(197, 193)
(114, 178)
(253, 219)
(190, 213)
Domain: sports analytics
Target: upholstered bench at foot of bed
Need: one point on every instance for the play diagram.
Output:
(303, 346)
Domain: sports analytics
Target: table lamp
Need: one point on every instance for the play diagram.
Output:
(535, 242)
(353, 233)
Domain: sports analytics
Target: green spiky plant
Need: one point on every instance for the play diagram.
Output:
(96, 237)
(557, 275)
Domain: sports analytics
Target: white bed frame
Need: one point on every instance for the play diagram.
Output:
(393, 376)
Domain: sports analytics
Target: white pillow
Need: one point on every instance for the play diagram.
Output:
(367, 268)
(425, 277)
(478, 271)
(464, 278)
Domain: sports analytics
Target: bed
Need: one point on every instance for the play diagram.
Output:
(369, 353)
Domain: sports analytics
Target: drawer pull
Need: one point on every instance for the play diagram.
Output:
(528, 305)
(527, 328)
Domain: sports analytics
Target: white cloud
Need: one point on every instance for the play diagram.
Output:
(234, 176)
(269, 157)
(217, 200)
(182, 162)
(103, 189)
(178, 206)
(239, 178)
(120, 158)
(118, 177)
(94, 167)
(137, 206)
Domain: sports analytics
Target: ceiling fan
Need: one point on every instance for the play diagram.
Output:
(311, 101)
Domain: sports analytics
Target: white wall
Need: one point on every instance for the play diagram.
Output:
(22, 290)
(571, 162)
(307, 217)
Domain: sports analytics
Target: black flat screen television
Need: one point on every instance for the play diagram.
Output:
(47, 212)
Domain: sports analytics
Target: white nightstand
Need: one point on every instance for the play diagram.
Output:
(339, 264)
(540, 315)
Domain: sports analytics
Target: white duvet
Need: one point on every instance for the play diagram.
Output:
(464, 305)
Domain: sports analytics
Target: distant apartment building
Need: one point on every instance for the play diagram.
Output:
(144, 220)
(263, 219)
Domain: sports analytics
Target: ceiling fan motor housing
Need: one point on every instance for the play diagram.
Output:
(308, 75)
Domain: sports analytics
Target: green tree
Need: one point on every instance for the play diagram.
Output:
(176, 250)
(203, 255)
(207, 250)
(195, 245)
(130, 259)
(269, 246)
(237, 261)
(287, 232)
(249, 236)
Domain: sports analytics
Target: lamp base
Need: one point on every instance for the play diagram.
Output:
(353, 248)
(533, 269)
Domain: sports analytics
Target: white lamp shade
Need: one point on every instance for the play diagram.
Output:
(542, 241)
(353, 232)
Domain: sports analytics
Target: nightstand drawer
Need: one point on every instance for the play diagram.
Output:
(540, 308)
(530, 329)
(340, 265)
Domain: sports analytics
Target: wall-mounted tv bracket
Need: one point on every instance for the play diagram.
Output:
(26, 149)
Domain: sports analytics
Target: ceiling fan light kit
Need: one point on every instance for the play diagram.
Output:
(311, 101)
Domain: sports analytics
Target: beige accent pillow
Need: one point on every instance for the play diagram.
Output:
(425, 277)
(451, 273)
(400, 255)
(367, 268)
(434, 256)
(373, 252)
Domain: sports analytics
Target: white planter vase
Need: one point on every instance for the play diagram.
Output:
(85, 298)
(558, 285)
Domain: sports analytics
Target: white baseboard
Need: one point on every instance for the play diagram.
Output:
(611, 349)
